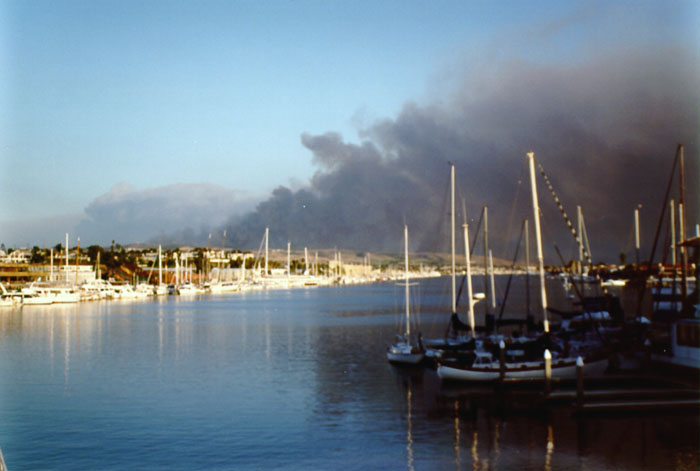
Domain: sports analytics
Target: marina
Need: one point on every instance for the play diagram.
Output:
(328, 235)
(290, 379)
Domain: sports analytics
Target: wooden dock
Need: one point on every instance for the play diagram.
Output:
(624, 395)
(637, 406)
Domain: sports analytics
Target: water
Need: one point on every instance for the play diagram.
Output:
(288, 379)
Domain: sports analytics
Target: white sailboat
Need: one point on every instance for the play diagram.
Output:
(160, 289)
(5, 299)
(485, 368)
(405, 350)
(463, 335)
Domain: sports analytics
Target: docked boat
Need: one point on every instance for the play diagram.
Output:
(187, 289)
(32, 296)
(406, 350)
(674, 335)
(459, 336)
(523, 363)
(6, 300)
(63, 294)
(222, 286)
(676, 325)
(485, 368)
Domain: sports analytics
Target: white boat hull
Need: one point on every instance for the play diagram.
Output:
(405, 353)
(6, 302)
(530, 371)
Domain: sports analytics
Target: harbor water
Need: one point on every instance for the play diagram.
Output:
(280, 379)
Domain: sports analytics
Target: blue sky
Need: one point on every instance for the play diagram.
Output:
(153, 94)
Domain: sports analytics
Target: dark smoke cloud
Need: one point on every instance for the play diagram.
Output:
(605, 131)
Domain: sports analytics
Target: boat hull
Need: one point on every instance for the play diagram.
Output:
(565, 369)
(405, 353)
(405, 358)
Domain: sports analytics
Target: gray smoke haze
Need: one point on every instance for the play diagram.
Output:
(605, 131)
(173, 213)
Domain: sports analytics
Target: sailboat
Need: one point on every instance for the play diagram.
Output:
(405, 351)
(455, 338)
(160, 288)
(483, 367)
(5, 298)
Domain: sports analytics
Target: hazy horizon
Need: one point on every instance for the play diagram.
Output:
(334, 124)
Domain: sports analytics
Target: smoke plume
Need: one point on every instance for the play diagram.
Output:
(605, 131)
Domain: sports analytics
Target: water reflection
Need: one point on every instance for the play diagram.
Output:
(409, 432)
(239, 379)
(550, 449)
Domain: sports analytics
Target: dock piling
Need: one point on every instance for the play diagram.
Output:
(579, 382)
(502, 361)
(547, 372)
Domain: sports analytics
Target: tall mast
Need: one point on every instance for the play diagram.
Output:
(684, 254)
(527, 267)
(223, 254)
(538, 237)
(408, 318)
(636, 233)
(486, 260)
(452, 232)
(77, 259)
(470, 294)
(681, 222)
(579, 220)
(492, 281)
(672, 217)
(267, 236)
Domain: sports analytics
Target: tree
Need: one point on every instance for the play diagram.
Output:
(38, 255)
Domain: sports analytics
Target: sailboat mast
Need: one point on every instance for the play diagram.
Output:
(486, 260)
(77, 260)
(538, 237)
(452, 235)
(492, 281)
(672, 217)
(408, 317)
(470, 294)
(267, 236)
(579, 220)
(527, 267)
(681, 223)
(636, 233)
(684, 256)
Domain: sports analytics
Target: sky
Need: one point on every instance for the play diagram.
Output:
(144, 121)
